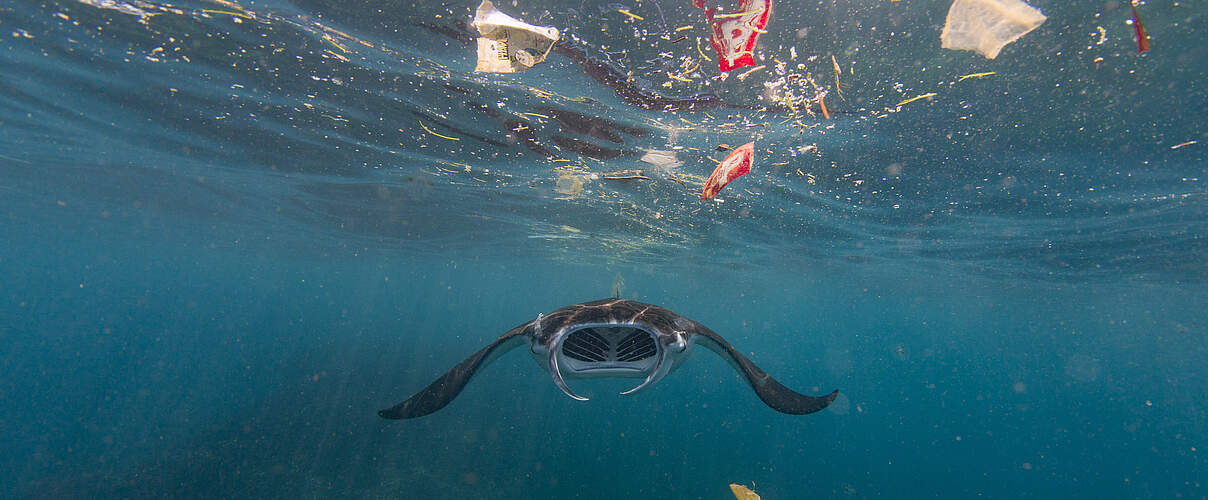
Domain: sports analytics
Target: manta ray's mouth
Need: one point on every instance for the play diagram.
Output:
(609, 347)
(607, 350)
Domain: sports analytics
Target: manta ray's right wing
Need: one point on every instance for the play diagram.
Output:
(773, 393)
(448, 386)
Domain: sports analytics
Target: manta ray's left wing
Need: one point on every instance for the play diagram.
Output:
(773, 393)
(448, 386)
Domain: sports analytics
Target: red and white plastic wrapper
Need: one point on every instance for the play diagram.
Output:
(507, 44)
(736, 165)
(734, 37)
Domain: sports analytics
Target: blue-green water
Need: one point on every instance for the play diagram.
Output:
(226, 241)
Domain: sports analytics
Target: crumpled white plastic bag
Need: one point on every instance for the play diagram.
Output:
(508, 45)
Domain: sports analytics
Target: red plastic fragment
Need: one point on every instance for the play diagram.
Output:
(1142, 36)
(736, 164)
(734, 37)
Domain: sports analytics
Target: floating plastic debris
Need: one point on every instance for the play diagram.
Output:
(1139, 29)
(569, 184)
(975, 75)
(508, 45)
(123, 7)
(664, 160)
(743, 493)
(736, 164)
(735, 35)
(624, 175)
(986, 26)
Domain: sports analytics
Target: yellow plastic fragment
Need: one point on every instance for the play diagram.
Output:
(1184, 144)
(743, 493)
(538, 115)
(912, 99)
(628, 174)
(743, 76)
(838, 71)
(974, 75)
(702, 53)
(336, 55)
(631, 15)
(736, 14)
(545, 94)
(682, 28)
(333, 42)
(338, 32)
(426, 129)
(677, 77)
(229, 13)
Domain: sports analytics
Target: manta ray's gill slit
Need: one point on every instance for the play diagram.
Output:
(631, 338)
(582, 351)
(586, 345)
(596, 339)
(637, 346)
(581, 355)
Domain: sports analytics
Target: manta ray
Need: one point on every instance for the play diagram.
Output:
(607, 338)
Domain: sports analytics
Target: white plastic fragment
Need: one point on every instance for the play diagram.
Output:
(508, 45)
(986, 26)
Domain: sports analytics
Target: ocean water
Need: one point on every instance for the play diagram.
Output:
(231, 232)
